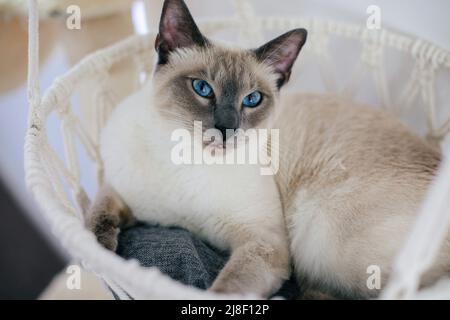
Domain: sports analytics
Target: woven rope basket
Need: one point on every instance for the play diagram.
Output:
(397, 72)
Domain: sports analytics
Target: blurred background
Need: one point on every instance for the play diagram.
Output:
(30, 257)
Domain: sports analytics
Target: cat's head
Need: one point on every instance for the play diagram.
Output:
(224, 88)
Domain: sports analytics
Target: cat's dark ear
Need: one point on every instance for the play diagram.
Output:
(177, 29)
(282, 52)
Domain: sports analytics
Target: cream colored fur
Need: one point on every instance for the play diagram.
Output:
(232, 207)
(349, 186)
(352, 180)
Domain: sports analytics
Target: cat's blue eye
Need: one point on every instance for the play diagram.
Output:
(202, 88)
(252, 100)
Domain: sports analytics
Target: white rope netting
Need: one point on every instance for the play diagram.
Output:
(56, 181)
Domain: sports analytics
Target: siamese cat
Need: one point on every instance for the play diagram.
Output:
(350, 182)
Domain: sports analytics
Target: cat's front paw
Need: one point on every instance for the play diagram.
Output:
(225, 286)
(105, 229)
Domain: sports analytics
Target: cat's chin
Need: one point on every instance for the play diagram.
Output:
(214, 145)
(222, 146)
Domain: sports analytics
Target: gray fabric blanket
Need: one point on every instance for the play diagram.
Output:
(181, 255)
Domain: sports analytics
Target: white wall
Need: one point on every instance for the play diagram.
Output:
(427, 19)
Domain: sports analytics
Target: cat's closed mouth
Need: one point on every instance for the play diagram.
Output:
(214, 145)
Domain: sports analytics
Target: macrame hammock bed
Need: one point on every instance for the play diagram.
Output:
(55, 177)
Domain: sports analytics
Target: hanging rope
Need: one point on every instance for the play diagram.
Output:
(34, 96)
(429, 232)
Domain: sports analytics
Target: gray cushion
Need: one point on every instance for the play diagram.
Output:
(181, 255)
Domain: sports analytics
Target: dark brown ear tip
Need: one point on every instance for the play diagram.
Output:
(166, 2)
(177, 29)
(170, 4)
(173, 3)
(301, 32)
